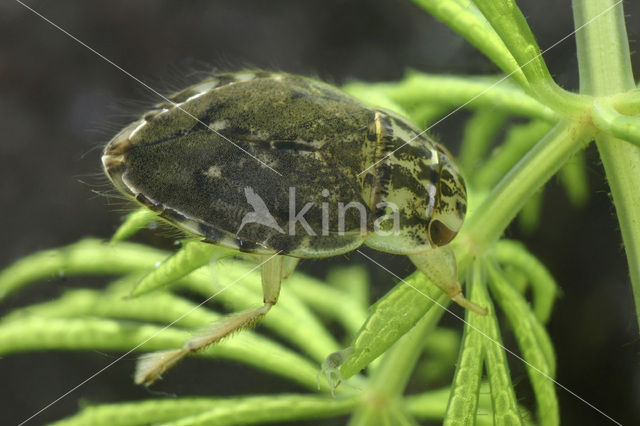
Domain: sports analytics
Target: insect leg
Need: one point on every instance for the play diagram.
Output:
(151, 366)
(288, 266)
(439, 265)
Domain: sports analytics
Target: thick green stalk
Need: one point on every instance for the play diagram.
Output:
(419, 89)
(510, 24)
(463, 17)
(605, 69)
(500, 207)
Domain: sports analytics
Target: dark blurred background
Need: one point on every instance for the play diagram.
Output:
(59, 104)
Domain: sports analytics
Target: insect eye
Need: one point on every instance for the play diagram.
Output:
(439, 233)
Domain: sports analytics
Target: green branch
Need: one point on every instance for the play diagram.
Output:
(605, 69)
(490, 219)
(610, 121)
(510, 24)
(464, 18)
(418, 89)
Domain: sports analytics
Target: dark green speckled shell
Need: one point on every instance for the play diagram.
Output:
(194, 172)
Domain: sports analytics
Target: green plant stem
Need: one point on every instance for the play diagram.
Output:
(453, 91)
(605, 69)
(489, 220)
(510, 24)
(464, 18)
(610, 121)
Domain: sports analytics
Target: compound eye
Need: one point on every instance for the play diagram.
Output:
(439, 234)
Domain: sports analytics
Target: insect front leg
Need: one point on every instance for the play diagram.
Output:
(151, 366)
(439, 265)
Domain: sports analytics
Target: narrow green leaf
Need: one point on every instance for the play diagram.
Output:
(428, 405)
(218, 411)
(516, 277)
(505, 406)
(463, 401)
(390, 318)
(353, 280)
(529, 216)
(269, 409)
(139, 413)
(373, 98)
(479, 133)
(574, 179)
(93, 257)
(190, 257)
(426, 114)
(134, 222)
(544, 287)
(160, 308)
(86, 257)
(389, 378)
(289, 318)
(235, 284)
(441, 346)
(39, 333)
(432, 405)
(534, 343)
(329, 301)
(518, 141)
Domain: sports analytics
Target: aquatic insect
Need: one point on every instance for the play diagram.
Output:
(288, 167)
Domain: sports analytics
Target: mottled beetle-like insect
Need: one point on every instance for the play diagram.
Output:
(287, 167)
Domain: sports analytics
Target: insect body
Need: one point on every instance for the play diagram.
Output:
(288, 167)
